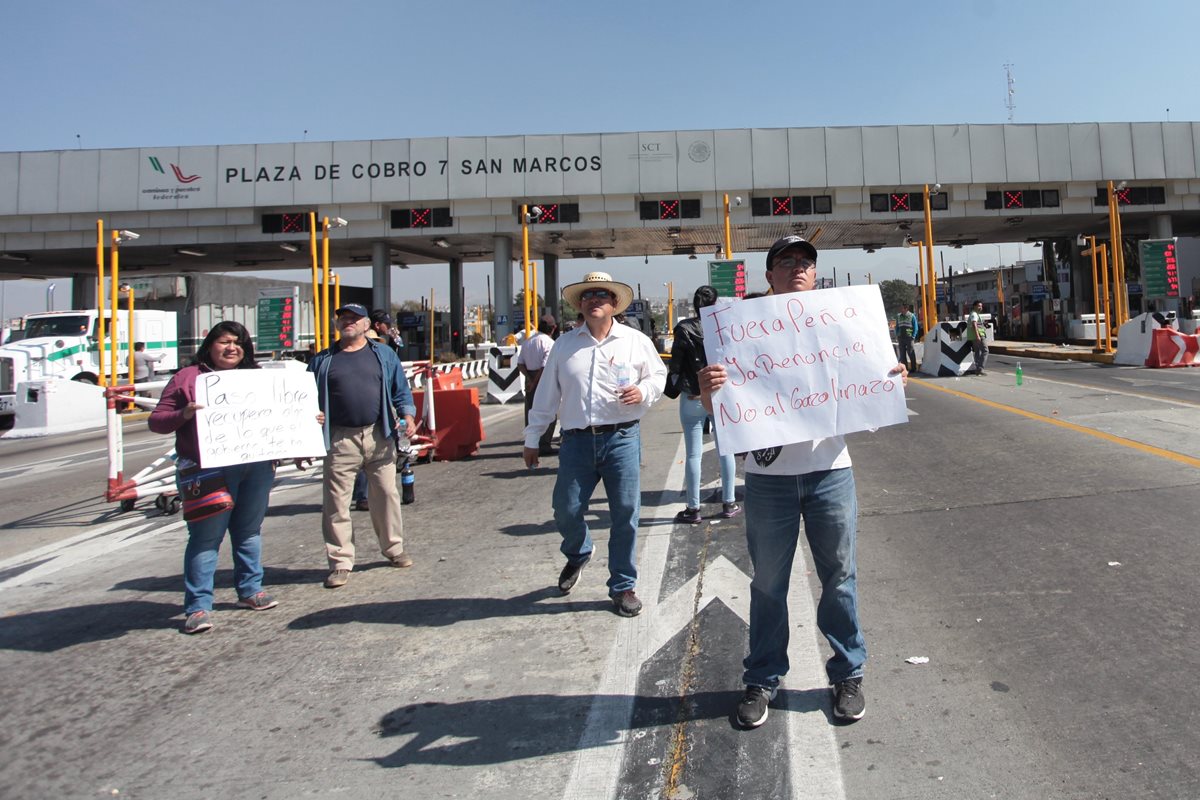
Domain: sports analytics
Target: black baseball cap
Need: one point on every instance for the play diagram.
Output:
(353, 308)
(787, 243)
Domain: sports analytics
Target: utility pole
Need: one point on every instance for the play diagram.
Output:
(1010, 103)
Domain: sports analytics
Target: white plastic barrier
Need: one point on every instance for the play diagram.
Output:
(946, 350)
(55, 405)
(1135, 336)
(505, 381)
(1084, 328)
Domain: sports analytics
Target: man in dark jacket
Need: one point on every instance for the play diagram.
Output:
(366, 405)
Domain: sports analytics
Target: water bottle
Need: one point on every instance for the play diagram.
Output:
(1020, 374)
(407, 480)
(622, 376)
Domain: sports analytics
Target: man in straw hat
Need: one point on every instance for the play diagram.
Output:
(600, 379)
(813, 482)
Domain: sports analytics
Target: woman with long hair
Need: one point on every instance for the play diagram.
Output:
(687, 359)
(227, 346)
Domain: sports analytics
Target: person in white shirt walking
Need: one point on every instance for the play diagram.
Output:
(600, 380)
(535, 352)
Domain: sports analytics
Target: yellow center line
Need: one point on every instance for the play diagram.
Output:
(1071, 426)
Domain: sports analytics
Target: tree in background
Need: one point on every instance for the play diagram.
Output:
(896, 292)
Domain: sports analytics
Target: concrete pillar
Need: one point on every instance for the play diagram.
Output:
(83, 291)
(1160, 227)
(381, 277)
(553, 291)
(503, 286)
(458, 337)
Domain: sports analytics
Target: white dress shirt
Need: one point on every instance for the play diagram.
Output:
(579, 381)
(534, 351)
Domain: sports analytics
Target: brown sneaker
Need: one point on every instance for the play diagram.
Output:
(337, 578)
(402, 560)
(627, 603)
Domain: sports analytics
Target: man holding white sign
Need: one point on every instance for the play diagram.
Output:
(788, 376)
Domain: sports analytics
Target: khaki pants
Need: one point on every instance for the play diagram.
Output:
(373, 450)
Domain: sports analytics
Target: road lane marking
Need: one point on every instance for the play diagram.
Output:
(814, 764)
(1071, 426)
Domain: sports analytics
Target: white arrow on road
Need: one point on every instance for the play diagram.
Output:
(814, 765)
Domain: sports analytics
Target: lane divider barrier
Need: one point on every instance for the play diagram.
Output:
(505, 381)
(947, 351)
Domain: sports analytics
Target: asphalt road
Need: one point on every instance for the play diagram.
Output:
(1037, 544)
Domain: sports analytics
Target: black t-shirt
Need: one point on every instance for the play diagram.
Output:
(355, 386)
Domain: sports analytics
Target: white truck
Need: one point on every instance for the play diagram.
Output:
(64, 344)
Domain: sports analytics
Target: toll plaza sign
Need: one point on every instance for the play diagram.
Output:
(1160, 271)
(728, 278)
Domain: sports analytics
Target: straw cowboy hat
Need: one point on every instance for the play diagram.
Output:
(599, 280)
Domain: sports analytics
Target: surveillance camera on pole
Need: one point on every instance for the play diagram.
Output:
(534, 214)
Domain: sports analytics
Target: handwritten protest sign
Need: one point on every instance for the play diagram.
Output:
(802, 366)
(257, 415)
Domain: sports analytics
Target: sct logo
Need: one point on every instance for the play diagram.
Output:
(179, 176)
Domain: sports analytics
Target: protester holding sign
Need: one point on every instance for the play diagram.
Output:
(803, 480)
(238, 493)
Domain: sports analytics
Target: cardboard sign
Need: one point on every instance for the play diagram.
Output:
(257, 415)
(802, 366)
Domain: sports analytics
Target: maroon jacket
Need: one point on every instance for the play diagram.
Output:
(167, 416)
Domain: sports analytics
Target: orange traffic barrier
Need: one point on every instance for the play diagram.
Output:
(1170, 348)
(459, 425)
(448, 380)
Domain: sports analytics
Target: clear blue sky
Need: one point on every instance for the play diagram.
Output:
(136, 73)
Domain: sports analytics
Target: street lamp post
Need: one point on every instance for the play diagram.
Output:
(1120, 289)
(114, 259)
(671, 297)
(931, 280)
(318, 341)
(337, 302)
(125, 287)
(528, 214)
(728, 231)
(326, 224)
(101, 334)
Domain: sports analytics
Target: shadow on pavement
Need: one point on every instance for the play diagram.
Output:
(60, 628)
(272, 576)
(82, 514)
(506, 729)
(294, 509)
(447, 611)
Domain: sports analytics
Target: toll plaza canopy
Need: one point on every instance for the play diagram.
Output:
(450, 200)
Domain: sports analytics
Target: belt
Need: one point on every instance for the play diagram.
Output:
(593, 429)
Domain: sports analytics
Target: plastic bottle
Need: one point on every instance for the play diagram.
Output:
(1020, 374)
(407, 481)
(622, 372)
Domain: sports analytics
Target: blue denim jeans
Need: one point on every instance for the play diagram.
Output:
(250, 487)
(585, 459)
(692, 416)
(828, 505)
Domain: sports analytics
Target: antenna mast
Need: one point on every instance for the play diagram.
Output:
(1010, 101)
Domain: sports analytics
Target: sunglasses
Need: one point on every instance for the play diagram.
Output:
(597, 294)
(805, 264)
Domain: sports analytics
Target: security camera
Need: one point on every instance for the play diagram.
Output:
(937, 187)
(737, 201)
(130, 235)
(338, 222)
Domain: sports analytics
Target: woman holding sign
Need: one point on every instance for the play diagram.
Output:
(232, 498)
